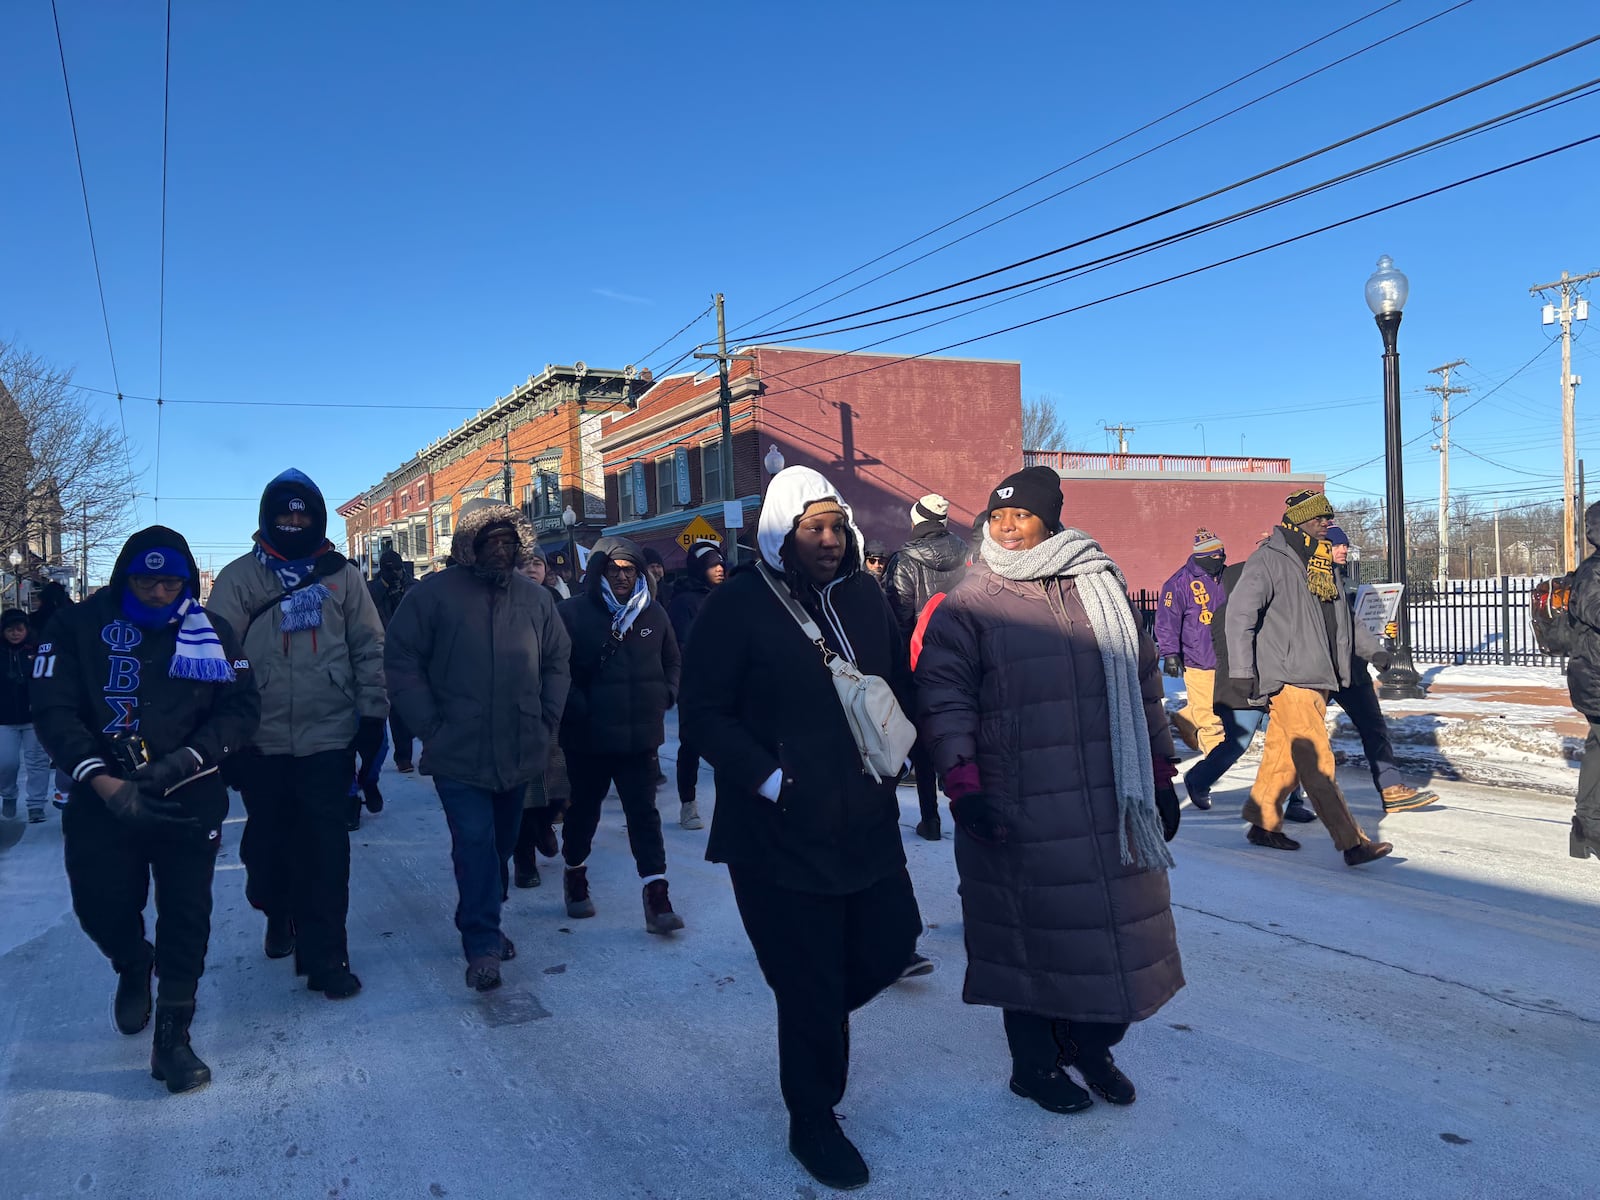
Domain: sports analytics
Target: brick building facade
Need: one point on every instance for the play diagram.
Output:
(884, 430)
(1143, 509)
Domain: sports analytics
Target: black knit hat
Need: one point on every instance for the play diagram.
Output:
(1037, 489)
(652, 557)
(13, 616)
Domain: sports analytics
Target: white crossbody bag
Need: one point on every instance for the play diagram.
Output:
(883, 734)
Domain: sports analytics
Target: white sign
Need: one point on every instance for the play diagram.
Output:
(732, 514)
(1377, 604)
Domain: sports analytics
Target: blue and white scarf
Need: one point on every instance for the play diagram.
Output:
(199, 655)
(624, 615)
(303, 609)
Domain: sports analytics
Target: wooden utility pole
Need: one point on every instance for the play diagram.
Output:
(1499, 574)
(1122, 432)
(1444, 391)
(1572, 308)
(723, 358)
(506, 477)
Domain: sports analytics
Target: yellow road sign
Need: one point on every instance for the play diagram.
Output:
(698, 530)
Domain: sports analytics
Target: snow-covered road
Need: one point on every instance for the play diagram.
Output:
(1428, 1026)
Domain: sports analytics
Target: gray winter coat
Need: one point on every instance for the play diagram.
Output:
(1056, 924)
(315, 684)
(1276, 631)
(480, 671)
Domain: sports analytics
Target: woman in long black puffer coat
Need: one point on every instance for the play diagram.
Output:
(812, 841)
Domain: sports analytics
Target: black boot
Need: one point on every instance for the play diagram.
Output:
(171, 1059)
(337, 982)
(1036, 1071)
(820, 1146)
(1100, 1072)
(132, 1007)
(279, 942)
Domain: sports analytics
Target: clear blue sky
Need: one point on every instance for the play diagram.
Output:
(416, 204)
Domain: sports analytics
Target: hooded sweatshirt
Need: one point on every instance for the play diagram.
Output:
(99, 677)
(316, 680)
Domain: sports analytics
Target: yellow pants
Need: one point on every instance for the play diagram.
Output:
(1297, 747)
(1197, 722)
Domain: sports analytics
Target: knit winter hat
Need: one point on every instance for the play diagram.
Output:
(932, 507)
(818, 507)
(1037, 489)
(702, 557)
(652, 558)
(1306, 505)
(13, 616)
(1206, 542)
(1337, 536)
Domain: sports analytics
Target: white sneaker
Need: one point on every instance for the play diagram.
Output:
(689, 816)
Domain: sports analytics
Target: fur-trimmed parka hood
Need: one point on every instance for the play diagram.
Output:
(475, 517)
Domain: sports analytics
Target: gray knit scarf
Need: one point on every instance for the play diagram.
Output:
(1073, 554)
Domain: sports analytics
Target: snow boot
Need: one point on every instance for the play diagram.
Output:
(1401, 798)
(279, 942)
(1297, 811)
(1100, 1072)
(658, 914)
(1366, 852)
(1275, 840)
(1582, 844)
(1051, 1090)
(689, 816)
(525, 872)
(131, 1009)
(820, 1146)
(337, 982)
(171, 1059)
(483, 973)
(575, 883)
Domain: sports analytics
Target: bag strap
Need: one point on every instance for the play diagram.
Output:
(314, 577)
(801, 617)
(609, 650)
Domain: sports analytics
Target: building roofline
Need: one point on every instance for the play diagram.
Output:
(1001, 362)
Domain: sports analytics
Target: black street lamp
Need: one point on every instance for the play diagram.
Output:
(1386, 296)
(570, 520)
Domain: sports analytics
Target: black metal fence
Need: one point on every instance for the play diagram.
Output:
(1477, 621)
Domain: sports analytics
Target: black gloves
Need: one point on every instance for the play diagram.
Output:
(167, 772)
(369, 738)
(1167, 806)
(1381, 659)
(137, 806)
(1172, 664)
(973, 814)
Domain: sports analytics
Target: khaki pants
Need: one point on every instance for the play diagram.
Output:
(1197, 722)
(1297, 747)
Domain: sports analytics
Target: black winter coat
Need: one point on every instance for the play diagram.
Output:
(77, 711)
(1583, 664)
(619, 708)
(16, 668)
(386, 598)
(684, 607)
(757, 698)
(930, 563)
(1227, 692)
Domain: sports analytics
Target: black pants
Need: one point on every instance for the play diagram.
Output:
(927, 780)
(635, 776)
(824, 957)
(688, 772)
(1360, 704)
(400, 734)
(109, 868)
(296, 848)
(1039, 1043)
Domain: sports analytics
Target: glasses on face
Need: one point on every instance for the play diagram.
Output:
(619, 571)
(874, 559)
(162, 588)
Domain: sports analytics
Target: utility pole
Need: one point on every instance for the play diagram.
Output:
(1498, 573)
(1122, 432)
(507, 475)
(729, 492)
(83, 580)
(1564, 315)
(1444, 391)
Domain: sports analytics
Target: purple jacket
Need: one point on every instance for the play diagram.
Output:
(1189, 600)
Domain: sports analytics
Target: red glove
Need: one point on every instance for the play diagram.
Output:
(1165, 772)
(962, 780)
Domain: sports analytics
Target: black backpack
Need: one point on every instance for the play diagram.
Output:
(1550, 609)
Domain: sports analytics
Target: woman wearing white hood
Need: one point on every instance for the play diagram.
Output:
(811, 839)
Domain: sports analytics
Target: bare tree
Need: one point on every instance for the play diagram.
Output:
(1042, 426)
(66, 484)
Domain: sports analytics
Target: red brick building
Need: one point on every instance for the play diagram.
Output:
(1144, 508)
(884, 430)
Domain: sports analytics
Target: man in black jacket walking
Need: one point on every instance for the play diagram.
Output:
(625, 667)
(387, 591)
(143, 693)
(933, 561)
(476, 660)
(706, 571)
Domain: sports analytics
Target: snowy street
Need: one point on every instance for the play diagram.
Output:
(1426, 1026)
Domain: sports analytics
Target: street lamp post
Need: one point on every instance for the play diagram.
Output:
(570, 520)
(15, 559)
(1386, 296)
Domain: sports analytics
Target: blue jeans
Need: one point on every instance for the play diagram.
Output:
(483, 833)
(1239, 725)
(19, 747)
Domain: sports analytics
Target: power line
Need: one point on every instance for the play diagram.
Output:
(161, 320)
(83, 183)
(1300, 237)
(649, 354)
(1504, 118)
(1064, 167)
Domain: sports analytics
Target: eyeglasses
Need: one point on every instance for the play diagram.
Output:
(619, 570)
(874, 558)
